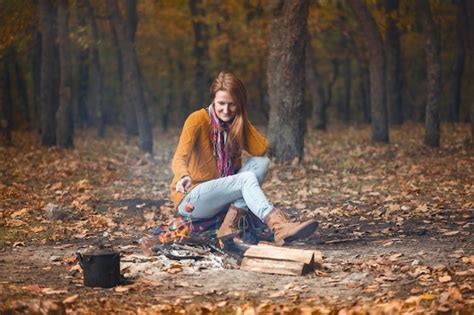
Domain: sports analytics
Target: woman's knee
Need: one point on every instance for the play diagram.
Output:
(261, 162)
(248, 177)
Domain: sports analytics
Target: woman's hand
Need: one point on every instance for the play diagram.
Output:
(183, 184)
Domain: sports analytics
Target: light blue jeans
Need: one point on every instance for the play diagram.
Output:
(243, 190)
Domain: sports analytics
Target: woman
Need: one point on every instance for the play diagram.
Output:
(208, 172)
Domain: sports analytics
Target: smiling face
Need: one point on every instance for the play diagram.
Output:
(224, 106)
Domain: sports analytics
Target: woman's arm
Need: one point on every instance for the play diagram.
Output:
(186, 143)
(256, 144)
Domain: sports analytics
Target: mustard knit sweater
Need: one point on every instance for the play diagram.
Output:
(194, 156)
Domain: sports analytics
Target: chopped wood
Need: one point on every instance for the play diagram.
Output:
(282, 267)
(280, 253)
(318, 259)
(266, 258)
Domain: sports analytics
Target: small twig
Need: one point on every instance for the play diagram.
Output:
(341, 241)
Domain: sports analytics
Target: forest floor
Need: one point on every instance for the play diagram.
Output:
(396, 227)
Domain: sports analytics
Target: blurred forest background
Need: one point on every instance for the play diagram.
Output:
(146, 64)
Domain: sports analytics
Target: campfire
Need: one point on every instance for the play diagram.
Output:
(183, 246)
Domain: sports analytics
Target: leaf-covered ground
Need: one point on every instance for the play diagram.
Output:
(396, 226)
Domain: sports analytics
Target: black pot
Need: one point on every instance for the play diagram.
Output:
(101, 268)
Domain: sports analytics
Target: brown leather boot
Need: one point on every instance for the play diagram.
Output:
(230, 226)
(286, 231)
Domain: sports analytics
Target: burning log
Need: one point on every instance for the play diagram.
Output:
(280, 260)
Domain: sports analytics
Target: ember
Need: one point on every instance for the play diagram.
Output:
(175, 235)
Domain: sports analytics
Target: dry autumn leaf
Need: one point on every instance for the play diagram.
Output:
(50, 291)
(174, 270)
(19, 213)
(122, 289)
(37, 229)
(468, 259)
(444, 279)
(395, 256)
(450, 233)
(278, 294)
(465, 272)
(70, 299)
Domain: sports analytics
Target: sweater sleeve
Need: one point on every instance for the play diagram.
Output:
(257, 144)
(185, 147)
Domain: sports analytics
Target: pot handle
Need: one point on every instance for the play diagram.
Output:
(80, 259)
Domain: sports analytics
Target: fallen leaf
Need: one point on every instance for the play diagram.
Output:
(121, 289)
(427, 296)
(17, 244)
(56, 186)
(174, 270)
(70, 299)
(468, 259)
(419, 271)
(464, 272)
(444, 279)
(37, 229)
(278, 294)
(50, 291)
(32, 288)
(75, 268)
(19, 213)
(83, 185)
(372, 288)
(455, 294)
(71, 259)
(416, 290)
(300, 206)
(395, 256)
(450, 233)
(422, 208)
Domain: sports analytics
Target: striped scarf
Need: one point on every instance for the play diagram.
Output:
(219, 131)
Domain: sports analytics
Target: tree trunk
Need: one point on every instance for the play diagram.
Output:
(83, 72)
(64, 131)
(184, 97)
(364, 90)
(394, 66)
(132, 17)
(469, 5)
(36, 75)
(6, 110)
(458, 66)
(346, 102)
(433, 73)
(313, 83)
(129, 112)
(327, 95)
(375, 47)
(97, 73)
(21, 89)
(201, 52)
(133, 90)
(285, 77)
(222, 27)
(49, 87)
(262, 106)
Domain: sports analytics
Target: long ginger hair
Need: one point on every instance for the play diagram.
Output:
(228, 82)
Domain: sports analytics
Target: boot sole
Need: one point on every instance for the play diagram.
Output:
(306, 231)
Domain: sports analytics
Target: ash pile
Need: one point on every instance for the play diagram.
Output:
(184, 255)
